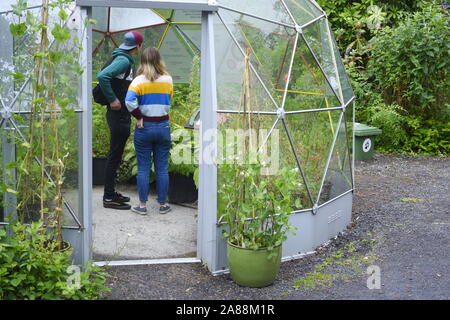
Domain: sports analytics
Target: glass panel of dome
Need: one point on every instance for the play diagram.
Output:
(347, 90)
(288, 160)
(269, 9)
(321, 43)
(192, 34)
(349, 118)
(120, 21)
(177, 56)
(100, 15)
(152, 37)
(181, 16)
(165, 14)
(338, 179)
(270, 46)
(6, 63)
(308, 88)
(236, 80)
(313, 134)
(303, 11)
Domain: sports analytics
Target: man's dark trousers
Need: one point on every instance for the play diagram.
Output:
(119, 123)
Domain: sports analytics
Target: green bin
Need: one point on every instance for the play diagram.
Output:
(364, 141)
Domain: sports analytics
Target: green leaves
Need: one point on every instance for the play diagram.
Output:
(256, 207)
(63, 15)
(18, 29)
(17, 76)
(20, 6)
(403, 88)
(31, 268)
(60, 33)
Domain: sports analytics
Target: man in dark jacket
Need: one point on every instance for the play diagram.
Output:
(113, 80)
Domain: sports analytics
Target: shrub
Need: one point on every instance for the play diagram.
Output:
(411, 64)
(31, 268)
(403, 89)
(349, 18)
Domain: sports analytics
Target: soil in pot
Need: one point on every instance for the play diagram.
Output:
(253, 268)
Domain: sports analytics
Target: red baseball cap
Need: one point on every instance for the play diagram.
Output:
(131, 40)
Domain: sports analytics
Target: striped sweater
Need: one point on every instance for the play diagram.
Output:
(150, 100)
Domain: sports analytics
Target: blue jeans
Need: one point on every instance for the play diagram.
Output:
(153, 140)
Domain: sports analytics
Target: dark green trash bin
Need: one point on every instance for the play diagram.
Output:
(364, 141)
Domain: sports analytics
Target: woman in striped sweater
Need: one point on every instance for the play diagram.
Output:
(148, 100)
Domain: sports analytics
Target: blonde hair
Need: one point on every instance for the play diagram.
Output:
(152, 66)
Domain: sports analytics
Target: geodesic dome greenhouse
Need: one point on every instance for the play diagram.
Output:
(269, 67)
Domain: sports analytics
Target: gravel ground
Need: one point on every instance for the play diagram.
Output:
(401, 223)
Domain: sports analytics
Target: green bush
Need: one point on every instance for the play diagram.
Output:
(430, 137)
(410, 64)
(349, 18)
(404, 87)
(32, 268)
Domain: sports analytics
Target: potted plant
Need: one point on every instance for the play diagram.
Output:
(256, 209)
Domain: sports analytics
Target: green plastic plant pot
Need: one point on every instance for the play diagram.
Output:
(253, 268)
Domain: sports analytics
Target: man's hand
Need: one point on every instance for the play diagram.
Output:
(140, 123)
(115, 105)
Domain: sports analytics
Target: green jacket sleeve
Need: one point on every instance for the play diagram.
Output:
(118, 66)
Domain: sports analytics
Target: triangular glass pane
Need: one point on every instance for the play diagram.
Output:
(303, 11)
(23, 48)
(268, 9)
(308, 88)
(120, 19)
(350, 120)
(193, 34)
(100, 14)
(270, 47)
(6, 63)
(68, 140)
(272, 144)
(237, 83)
(183, 16)
(338, 179)
(288, 160)
(277, 149)
(102, 47)
(242, 135)
(166, 14)
(152, 37)
(8, 176)
(321, 42)
(23, 99)
(313, 135)
(177, 56)
(347, 90)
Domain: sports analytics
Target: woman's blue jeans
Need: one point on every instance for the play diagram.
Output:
(153, 142)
